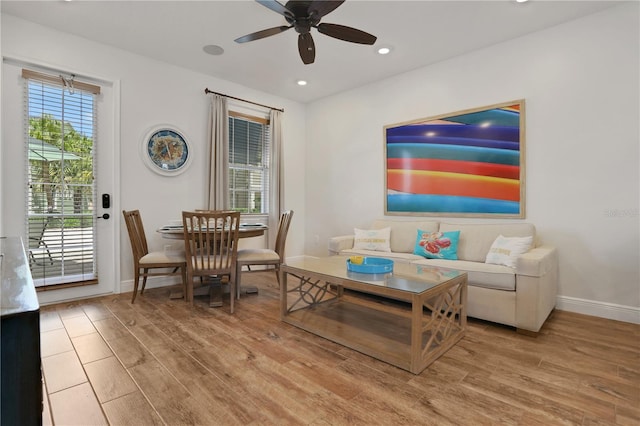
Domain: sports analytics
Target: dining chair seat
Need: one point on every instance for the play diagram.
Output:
(258, 255)
(265, 257)
(162, 257)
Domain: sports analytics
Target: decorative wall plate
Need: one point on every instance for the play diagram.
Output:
(166, 151)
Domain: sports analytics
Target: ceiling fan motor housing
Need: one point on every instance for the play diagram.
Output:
(303, 19)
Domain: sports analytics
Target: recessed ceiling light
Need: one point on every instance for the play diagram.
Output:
(521, 1)
(213, 49)
(384, 50)
(302, 83)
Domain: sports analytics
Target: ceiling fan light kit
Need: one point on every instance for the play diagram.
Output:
(302, 16)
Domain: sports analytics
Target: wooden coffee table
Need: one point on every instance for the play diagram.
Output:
(415, 315)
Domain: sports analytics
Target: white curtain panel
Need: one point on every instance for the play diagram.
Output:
(276, 173)
(218, 153)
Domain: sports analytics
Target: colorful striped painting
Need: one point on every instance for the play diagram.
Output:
(469, 163)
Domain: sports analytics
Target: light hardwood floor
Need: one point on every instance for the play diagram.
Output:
(162, 362)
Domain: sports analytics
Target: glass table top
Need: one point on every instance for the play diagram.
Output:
(405, 277)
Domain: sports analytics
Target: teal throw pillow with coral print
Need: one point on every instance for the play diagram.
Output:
(437, 245)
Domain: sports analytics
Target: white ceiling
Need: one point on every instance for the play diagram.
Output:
(419, 32)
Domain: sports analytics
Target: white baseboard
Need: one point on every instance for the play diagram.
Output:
(599, 309)
(152, 282)
(301, 257)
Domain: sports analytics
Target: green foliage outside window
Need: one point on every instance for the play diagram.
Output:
(58, 186)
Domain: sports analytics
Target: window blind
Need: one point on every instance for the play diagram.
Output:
(60, 128)
(249, 161)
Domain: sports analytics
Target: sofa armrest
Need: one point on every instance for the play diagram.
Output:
(536, 287)
(537, 261)
(339, 243)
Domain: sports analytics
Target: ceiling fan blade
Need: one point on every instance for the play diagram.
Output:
(261, 34)
(346, 33)
(307, 48)
(276, 7)
(319, 8)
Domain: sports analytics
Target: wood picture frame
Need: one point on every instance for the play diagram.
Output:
(468, 163)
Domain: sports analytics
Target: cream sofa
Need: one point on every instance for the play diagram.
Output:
(522, 297)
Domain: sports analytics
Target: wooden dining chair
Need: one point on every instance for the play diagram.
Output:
(144, 261)
(211, 247)
(270, 258)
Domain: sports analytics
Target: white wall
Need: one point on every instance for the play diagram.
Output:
(580, 82)
(152, 93)
(1, 146)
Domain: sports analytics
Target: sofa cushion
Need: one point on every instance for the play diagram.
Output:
(397, 257)
(437, 245)
(403, 233)
(372, 239)
(505, 250)
(478, 274)
(476, 239)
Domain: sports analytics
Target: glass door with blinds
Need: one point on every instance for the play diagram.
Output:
(60, 139)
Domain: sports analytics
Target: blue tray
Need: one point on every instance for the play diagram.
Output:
(371, 265)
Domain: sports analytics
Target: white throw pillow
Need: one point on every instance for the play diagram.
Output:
(372, 239)
(505, 250)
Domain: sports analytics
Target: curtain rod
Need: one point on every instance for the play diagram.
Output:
(207, 91)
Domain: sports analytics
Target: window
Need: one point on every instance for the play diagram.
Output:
(60, 128)
(249, 152)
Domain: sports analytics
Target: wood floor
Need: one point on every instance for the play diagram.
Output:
(159, 361)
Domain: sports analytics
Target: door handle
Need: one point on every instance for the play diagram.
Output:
(104, 216)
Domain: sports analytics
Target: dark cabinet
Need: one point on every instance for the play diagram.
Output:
(21, 377)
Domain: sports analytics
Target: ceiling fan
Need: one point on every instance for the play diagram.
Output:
(304, 15)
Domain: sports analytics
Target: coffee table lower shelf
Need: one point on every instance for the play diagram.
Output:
(382, 335)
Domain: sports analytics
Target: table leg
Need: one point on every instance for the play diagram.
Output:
(249, 289)
(176, 294)
(416, 334)
(215, 293)
(283, 294)
(214, 290)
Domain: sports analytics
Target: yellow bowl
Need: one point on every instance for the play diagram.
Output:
(356, 260)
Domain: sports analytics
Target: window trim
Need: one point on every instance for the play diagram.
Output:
(261, 120)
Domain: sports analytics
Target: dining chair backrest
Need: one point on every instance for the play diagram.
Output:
(137, 236)
(211, 241)
(283, 229)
